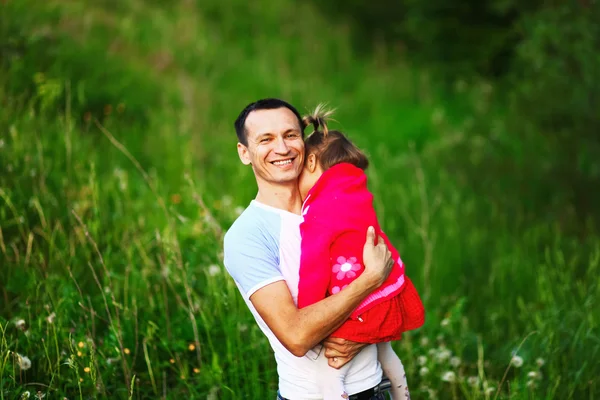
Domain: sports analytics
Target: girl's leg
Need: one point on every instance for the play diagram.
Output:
(394, 370)
(331, 379)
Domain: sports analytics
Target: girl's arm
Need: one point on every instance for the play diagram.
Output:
(314, 264)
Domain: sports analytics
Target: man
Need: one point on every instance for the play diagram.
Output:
(262, 254)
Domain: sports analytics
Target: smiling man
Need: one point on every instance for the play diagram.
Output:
(262, 254)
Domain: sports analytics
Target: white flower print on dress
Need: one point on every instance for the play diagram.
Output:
(346, 267)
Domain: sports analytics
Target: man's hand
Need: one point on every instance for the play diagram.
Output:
(377, 259)
(341, 351)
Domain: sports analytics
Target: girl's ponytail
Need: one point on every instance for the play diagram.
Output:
(318, 119)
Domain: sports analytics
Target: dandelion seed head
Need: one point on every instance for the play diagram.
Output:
(50, 318)
(445, 322)
(242, 328)
(238, 210)
(517, 361)
(532, 374)
(443, 355)
(424, 341)
(540, 362)
(24, 362)
(424, 371)
(213, 270)
(531, 384)
(422, 360)
(455, 362)
(20, 323)
(473, 381)
(227, 201)
(449, 376)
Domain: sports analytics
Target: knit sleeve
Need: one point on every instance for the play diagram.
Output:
(346, 262)
(314, 271)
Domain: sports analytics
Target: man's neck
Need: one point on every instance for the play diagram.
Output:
(284, 197)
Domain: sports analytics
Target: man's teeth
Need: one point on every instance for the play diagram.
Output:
(285, 162)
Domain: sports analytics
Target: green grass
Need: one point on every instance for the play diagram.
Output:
(111, 218)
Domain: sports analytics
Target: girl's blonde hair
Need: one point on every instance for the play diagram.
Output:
(330, 147)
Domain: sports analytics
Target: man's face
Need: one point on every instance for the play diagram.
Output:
(275, 146)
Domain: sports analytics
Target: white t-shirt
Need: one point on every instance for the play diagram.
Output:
(262, 247)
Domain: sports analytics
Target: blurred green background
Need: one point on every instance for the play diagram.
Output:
(119, 175)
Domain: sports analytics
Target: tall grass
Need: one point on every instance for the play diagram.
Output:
(119, 177)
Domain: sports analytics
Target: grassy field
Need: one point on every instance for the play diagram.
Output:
(119, 176)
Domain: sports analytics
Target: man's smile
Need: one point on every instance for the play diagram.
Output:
(282, 163)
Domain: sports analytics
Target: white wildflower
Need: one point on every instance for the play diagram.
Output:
(24, 362)
(21, 324)
(531, 384)
(238, 210)
(445, 322)
(540, 362)
(25, 395)
(443, 355)
(473, 381)
(449, 376)
(214, 270)
(455, 362)
(39, 395)
(424, 341)
(226, 201)
(422, 360)
(242, 328)
(516, 361)
(213, 394)
(424, 371)
(50, 318)
(534, 375)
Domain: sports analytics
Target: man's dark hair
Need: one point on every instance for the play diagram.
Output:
(263, 104)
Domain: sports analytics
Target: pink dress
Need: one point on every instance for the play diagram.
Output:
(337, 212)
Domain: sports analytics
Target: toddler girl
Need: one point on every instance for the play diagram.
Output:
(337, 210)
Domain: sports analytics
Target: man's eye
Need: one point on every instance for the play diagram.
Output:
(293, 135)
(265, 140)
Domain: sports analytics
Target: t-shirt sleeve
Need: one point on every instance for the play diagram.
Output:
(251, 261)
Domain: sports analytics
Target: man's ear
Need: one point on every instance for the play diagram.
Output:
(311, 162)
(244, 154)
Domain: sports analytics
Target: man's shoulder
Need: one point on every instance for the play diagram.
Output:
(254, 224)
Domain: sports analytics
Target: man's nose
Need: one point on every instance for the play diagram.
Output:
(281, 146)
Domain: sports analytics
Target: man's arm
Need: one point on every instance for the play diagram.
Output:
(299, 330)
